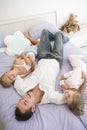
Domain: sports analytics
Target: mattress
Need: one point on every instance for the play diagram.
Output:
(47, 116)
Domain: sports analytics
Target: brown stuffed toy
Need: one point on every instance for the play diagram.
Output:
(71, 25)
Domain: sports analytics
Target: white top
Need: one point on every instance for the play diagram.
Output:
(45, 75)
(27, 67)
(74, 78)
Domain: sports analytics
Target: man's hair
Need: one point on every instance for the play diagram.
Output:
(77, 105)
(23, 116)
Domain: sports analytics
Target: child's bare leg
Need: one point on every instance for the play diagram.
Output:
(33, 40)
(26, 34)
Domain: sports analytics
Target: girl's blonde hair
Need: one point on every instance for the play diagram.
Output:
(4, 84)
(77, 105)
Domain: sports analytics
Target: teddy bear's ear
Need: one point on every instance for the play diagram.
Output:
(71, 25)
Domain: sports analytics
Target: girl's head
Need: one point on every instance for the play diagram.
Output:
(75, 101)
(7, 79)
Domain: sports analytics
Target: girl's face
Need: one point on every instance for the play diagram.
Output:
(69, 95)
(8, 78)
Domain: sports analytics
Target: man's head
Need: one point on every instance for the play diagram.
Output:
(75, 101)
(7, 79)
(25, 107)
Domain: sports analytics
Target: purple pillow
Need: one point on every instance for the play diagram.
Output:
(35, 31)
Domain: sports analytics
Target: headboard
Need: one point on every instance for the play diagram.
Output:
(24, 23)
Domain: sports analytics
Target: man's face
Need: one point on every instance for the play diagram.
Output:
(27, 102)
(8, 78)
(69, 95)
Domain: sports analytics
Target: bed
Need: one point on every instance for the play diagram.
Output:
(48, 116)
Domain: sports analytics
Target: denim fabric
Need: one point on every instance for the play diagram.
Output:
(65, 39)
(48, 51)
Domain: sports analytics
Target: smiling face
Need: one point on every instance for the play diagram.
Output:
(8, 78)
(27, 102)
(69, 94)
(75, 101)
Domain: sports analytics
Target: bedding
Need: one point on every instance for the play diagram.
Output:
(47, 116)
(36, 30)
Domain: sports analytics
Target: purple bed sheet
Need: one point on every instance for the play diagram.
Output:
(48, 116)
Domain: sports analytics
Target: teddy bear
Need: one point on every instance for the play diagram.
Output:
(16, 43)
(71, 24)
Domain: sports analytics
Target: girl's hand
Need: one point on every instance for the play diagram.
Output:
(22, 55)
(62, 77)
(65, 86)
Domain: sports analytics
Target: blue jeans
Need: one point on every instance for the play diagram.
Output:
(48, 51)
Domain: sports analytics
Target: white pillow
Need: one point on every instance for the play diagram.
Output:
(36, 30)
(16, 43)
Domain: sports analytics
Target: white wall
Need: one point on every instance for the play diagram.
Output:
(20, 8)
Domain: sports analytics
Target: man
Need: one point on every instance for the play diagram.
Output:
(40, 86)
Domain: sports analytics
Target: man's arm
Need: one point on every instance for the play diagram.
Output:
(54, 97)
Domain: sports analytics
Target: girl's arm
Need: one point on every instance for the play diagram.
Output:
(33, 40)
(63, 84)
(29, 61)
(83, 86)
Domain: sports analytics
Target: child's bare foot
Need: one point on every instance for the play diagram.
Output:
(26, 34)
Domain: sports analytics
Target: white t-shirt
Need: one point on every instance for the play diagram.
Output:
(45, 75)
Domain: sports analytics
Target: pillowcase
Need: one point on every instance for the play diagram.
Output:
(36, 31)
